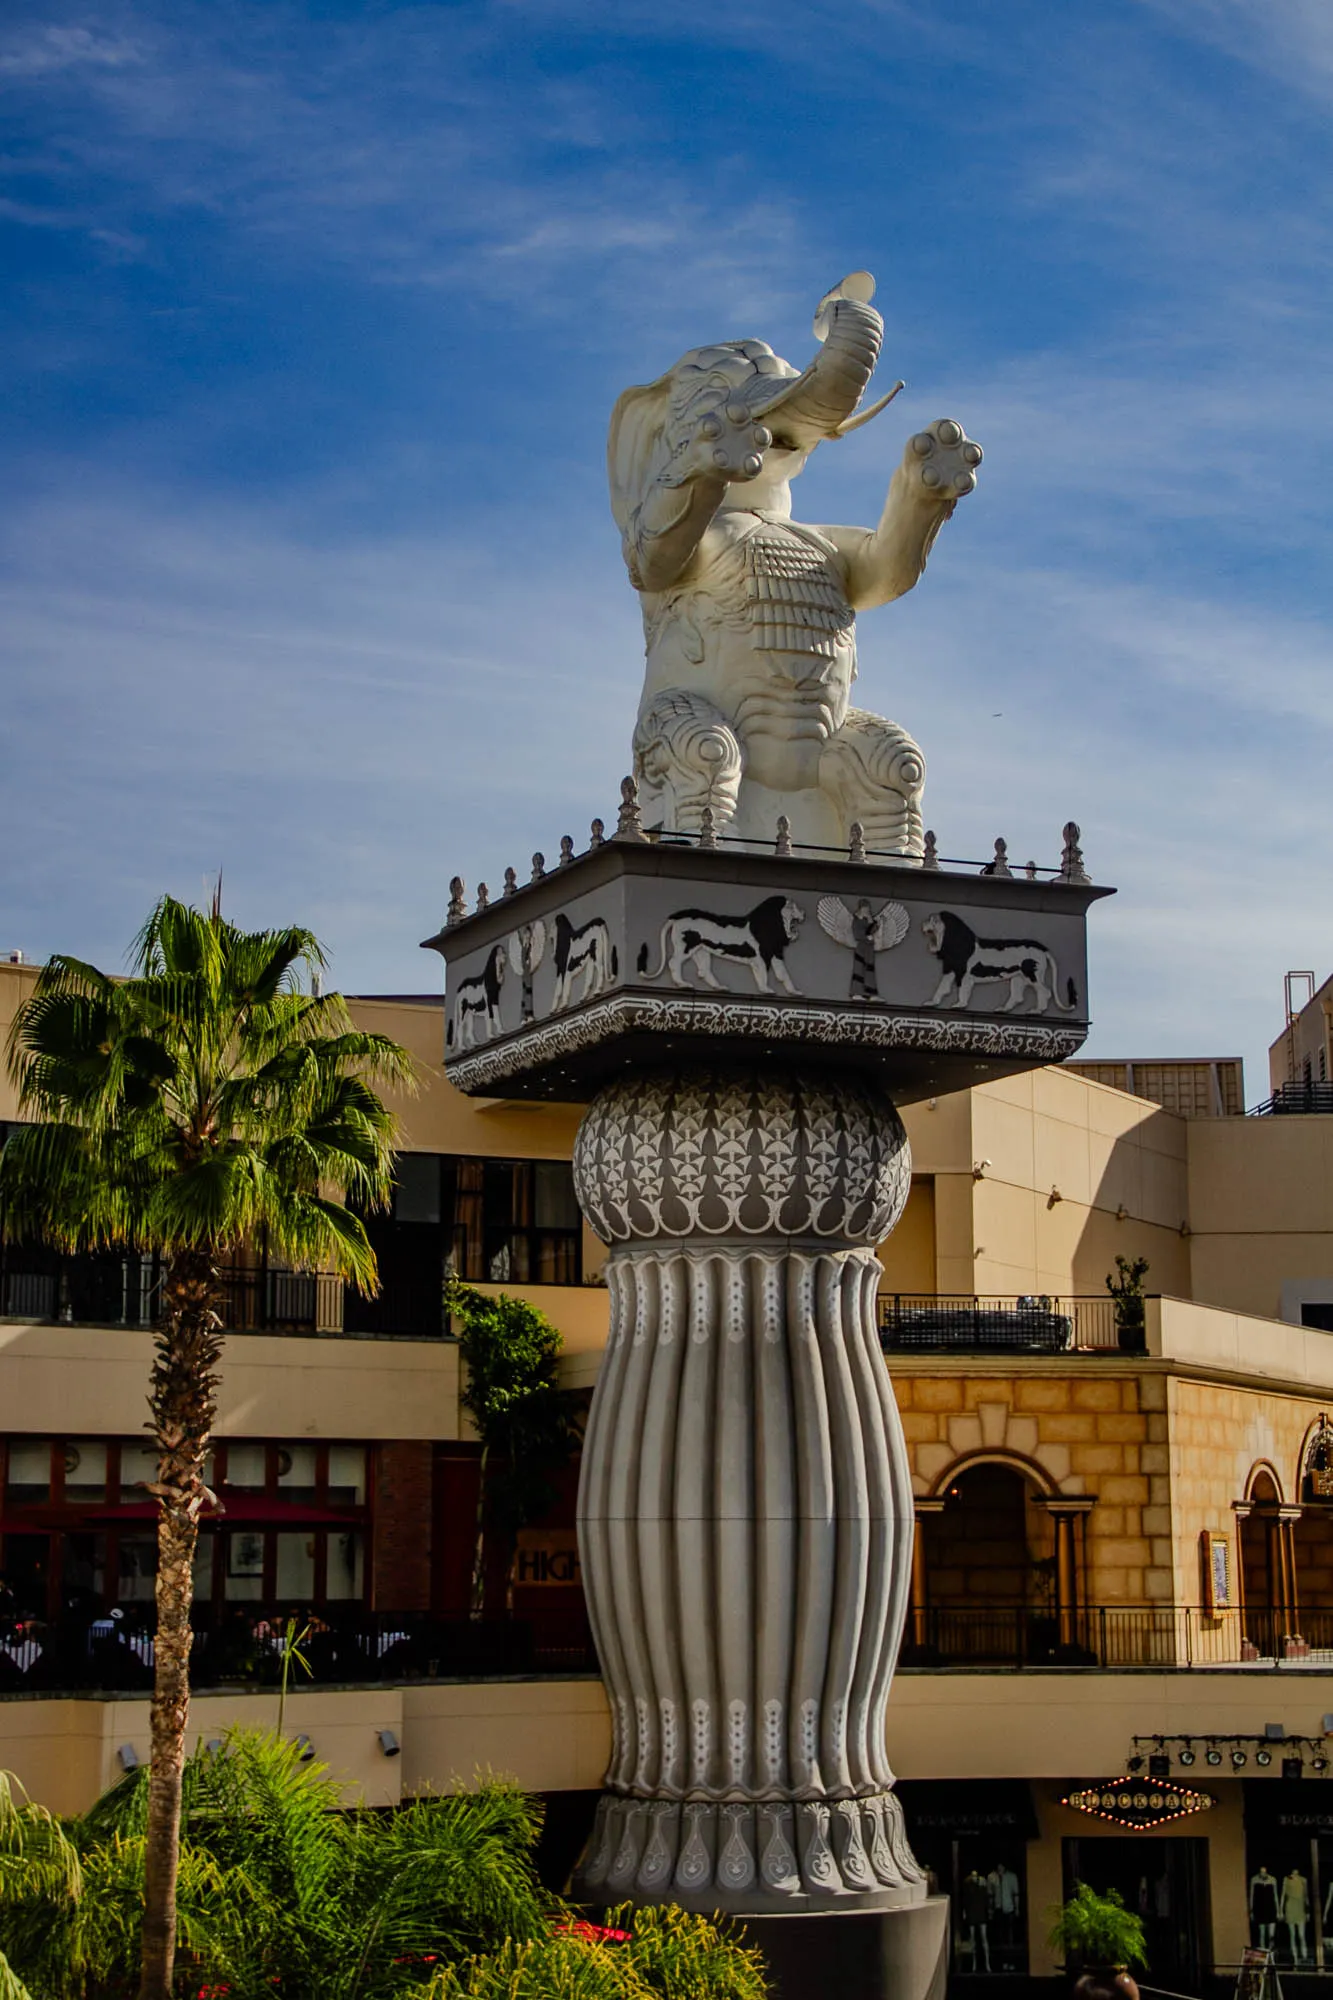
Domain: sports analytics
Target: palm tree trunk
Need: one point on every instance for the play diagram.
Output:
(183, 1402)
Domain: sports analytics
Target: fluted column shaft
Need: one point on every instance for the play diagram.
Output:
(745, 1513)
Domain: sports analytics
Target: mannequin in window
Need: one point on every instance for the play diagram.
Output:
(975, 1901)
(1005, 1899)
(1294, 1911)
(1263, 1907)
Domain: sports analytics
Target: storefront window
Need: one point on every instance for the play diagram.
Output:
(1289, 1872)
(83, 1571)
(245, 1566)
(294, 1566)
(285, 1535)
(203, 1565)
(25, 1568)
(972, 1841)
(138, 1469)
(85, 1473)
(138, 1568)
(344, 1567)
(28, 1479)
(347, 1475)
(298, 1472)
(1164, 1882)
(247, 1465)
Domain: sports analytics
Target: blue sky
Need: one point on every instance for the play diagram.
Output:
(311, 322)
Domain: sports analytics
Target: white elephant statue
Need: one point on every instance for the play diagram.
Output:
(749, 617)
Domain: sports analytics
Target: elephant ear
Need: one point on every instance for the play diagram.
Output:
(634, 445)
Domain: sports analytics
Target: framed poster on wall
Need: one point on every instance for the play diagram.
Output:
(1215, 1564)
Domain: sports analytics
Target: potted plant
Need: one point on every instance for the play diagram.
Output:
(1127, 1294)
(1099, 1938)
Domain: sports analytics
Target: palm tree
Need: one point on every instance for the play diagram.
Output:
(203, 1103)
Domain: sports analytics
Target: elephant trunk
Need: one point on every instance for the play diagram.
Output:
(819, 402)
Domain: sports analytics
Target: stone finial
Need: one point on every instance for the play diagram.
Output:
(629, 823)
(457, 903)
(1000, 865)
(538, 868)
(857, 849)
(707, 834)
(930, 857)
(597, 838)
(511, 882)
(566, 849)
(1031, 871)
(1071, 861)
(483, 898)
(783, 844)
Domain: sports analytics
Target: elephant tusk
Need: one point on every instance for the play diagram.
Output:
(850, 424)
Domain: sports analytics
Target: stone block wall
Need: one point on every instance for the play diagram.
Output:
(1080, 1432)
(1220, 1435)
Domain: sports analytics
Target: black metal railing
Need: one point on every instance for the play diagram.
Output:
(247, 1646)
(1296, 1098)
(1032, 1323)
(1114, 1637)
(114, 1290)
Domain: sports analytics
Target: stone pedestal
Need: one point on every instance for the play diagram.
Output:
(745, 1513)
(893, 1955)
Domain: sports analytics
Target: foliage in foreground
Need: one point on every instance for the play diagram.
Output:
(1097, 1930)
(282, 1895)
(671, 1955)
(510, 1353)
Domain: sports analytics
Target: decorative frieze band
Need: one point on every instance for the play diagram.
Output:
(1031, 1040)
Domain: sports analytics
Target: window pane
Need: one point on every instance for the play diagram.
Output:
(347, 1475)
(465, 1244)
(246, 1465)
(344, 1566)
(23, 1575)
(85, 1472)
(245, 1566)
(416, 1195)
(83, 1572)
(29, 1475)
(555, 1201)
(138, 1466)
(138, 1568)
(294, 1574)
(296, 1472)
(203, 1565)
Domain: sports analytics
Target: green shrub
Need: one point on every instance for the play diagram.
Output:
(1090, 1929)
(285, 1896)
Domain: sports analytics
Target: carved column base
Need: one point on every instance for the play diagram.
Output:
(734, 1855)
(745, 1509)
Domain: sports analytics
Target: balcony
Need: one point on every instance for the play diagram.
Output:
(1033, 1323)
(44, 1287)
(1297, 1099)
(1116, 1638)
(245, 1648)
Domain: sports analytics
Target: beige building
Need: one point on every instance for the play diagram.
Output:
(1124, 1528)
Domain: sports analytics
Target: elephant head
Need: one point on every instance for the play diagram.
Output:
(822, 402)
(649, 425)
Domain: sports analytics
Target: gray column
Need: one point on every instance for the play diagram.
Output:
(745, 1513)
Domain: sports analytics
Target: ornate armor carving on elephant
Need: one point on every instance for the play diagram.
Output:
(750, 617)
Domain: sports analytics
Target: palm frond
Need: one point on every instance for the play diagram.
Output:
(11, 1986)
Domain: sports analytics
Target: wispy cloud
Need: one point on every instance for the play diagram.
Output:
(348, 651)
